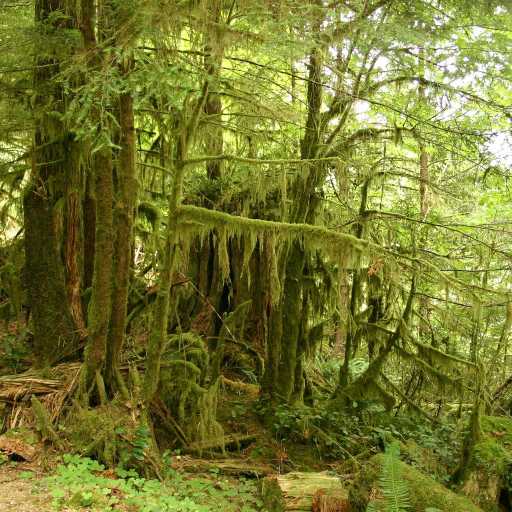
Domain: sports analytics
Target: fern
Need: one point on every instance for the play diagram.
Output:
(372, 507)
(394, 489)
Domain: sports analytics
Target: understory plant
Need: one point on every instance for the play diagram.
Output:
(84, 483)
(394, 492)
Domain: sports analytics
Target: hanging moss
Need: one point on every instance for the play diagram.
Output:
(312, 237)
(431, 353)
(439, 376)
(232, 327)
(185, 389)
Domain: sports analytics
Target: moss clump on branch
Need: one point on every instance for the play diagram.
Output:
(313, 237)
(195, 220)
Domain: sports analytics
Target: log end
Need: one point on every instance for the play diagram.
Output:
(305, 492)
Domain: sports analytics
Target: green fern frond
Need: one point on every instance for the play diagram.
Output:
(394, 489)
(372, 507)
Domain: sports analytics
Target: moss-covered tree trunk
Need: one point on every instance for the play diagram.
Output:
(163, 300)
(355, 293)
(162, 306)
(54, 329)
(124, 218)
(294, 257)
(101, 292)
(125, 201)
(291, 311)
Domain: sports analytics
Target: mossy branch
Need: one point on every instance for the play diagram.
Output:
(314, 236)
(334, 243)
(406, 399)
(259, 161)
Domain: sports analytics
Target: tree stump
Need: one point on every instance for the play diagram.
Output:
(305, 492)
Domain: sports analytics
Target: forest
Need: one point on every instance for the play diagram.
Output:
(255, 255)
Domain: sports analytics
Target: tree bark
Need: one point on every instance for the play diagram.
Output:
(124, 219)
(89, 229)
(101, 292)
(294, 258)
(72, 242)
(54, 329)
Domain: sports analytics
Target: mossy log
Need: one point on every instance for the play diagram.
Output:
(231, 442)
(305, 492)
(488, 474)
(424, 492)
(232, 467)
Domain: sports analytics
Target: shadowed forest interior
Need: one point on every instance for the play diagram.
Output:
(256, 255)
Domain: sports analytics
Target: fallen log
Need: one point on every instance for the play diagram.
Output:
(231, 467)
(241, 387)
(305, 492)
(231, 442)
(15, 447)
(424, 492)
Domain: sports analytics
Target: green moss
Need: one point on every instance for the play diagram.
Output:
(104, 433)
(424, 491)
(491, 455)
(502, 425)
(490, 463)
(272, 495)
(185, 387)
(422, 458)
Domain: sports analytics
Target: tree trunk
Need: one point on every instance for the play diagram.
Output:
(53, 324)
(72, 242)
(101, 294)
(89, 229)
(124, 218)
(54, 330)
(163, 301)
(291, 310)
(294, 257)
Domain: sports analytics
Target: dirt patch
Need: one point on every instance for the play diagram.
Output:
(21, 494)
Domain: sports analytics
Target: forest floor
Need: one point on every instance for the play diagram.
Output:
(19, 493)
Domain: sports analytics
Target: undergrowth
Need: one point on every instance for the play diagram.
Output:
(83, 483)
(336, 434)
(15, 351)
